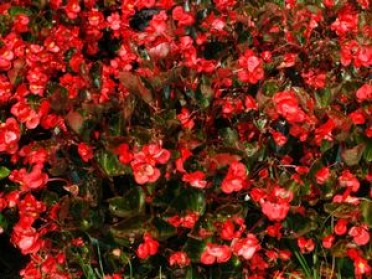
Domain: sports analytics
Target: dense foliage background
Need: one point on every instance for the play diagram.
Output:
(185, 139)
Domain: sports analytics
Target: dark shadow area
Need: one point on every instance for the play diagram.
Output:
(11, 260)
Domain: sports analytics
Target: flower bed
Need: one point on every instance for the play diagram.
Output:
(185, 139)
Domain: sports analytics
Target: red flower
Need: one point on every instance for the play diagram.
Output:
(113, 276)
(160, 50)
(165, 4)
(347, 21)
(231, 106)
(25, 114)
(289, 60)
(185, 154)
(140, 4)
(34, 180)
(10, 134)
(27, 239)
(38, 80)
(322, 175)
(364, 93)
(364, 4)
(329, 3)
(175, 221)
(189, 220)
(51, 46)
(361, 235)
(33, 154)
(251, 68)
(72, 9)
(29, 206)
(183, 18)
(12, 198)
(228, 230)
(279, 138)
(347, 179)
(347, 52)
(157, 27)
(21, 22)
(153, 153)
(276, 204)
(76, 61)
(266, 56)
(363, 56)
(274, 230)
(185, 118)
(144, 162)
(246, 247)
(148, 248)
(215, 253)
(314, 79)
(275, 211)
(6, 56)
(287, 105)
(357, 117)
(236, 178)
(361, 267)
(114, 21)
(368, 132)
(328, 241)
(340, 227)
(85, 151)
(205, 66)
(196, 179)
(250, 103)
(223, 5)
(125, 156)
(305, 245)
(72, 83)
(324, 132)
(95, 18)
(144, 173)
(179, 258)
(5, 89)
(257, 263)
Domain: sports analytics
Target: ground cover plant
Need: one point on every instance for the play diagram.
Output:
(185, 139)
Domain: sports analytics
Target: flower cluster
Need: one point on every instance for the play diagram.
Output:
(190, 139)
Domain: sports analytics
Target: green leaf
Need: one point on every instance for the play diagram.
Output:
(193, 273)
(352, 156)
(323, 98)
(75, 120)
(326, 145)
(4, 172)
(191, 200)
(366, 209)
(49, 197)
(339, 249)
(109, 163)
(367, 154)
(96, 74)
(134, 226)
(16, 10)
(229, 136)
(132, 203)
(230, 269)
(91, 189)
(340, 210)
(3, 223)
(230, 209)
(165, 230)
(194, 248)
(270, 88)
